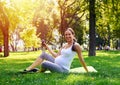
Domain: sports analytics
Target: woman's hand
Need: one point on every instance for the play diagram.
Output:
(44, 43)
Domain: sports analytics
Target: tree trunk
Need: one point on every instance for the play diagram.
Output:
(109, 35)
(92, 36)
(4, 26)
(6, 46)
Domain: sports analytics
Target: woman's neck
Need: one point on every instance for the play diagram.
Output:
(70, 43)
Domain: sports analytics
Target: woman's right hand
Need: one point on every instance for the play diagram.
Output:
(44, 43)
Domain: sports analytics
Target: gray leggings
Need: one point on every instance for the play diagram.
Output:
(50, 64)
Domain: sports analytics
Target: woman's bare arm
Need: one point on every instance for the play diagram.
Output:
(54, 54)
(79, 52)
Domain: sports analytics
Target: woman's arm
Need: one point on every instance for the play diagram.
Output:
(79, 52)
(54, 54)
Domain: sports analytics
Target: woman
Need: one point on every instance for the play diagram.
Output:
(61, 61)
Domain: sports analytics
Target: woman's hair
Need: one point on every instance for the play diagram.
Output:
(72, 31)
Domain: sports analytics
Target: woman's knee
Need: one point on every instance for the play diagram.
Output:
(47, 57)
(44, 64)
(51, 66)
(43, 55)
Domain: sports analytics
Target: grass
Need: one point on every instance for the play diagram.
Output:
(107, 63)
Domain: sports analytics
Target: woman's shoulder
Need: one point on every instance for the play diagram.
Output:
(77, 44)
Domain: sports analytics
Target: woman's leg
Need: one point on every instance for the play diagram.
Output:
(53, 67)
(35, 63)
(39, 60)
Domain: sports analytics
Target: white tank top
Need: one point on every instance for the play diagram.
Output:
(66, 58)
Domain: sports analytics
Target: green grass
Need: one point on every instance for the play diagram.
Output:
(107, 63)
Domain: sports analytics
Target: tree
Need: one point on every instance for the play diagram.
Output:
(103, 21)
(46, 19)
(30, 38)
(64, 16)
(23, 15)
(8, 21)
(92, 33)
(71, 15)
(107, 21)
(4, 26)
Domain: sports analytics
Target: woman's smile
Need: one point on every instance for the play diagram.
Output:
(68, 36)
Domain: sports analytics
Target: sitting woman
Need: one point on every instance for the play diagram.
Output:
(61, 61)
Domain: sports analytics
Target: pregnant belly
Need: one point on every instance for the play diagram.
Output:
(61, 61)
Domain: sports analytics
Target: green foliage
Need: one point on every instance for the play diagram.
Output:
(116, 32)
(106, 63)
(107, 16)
(73, 14)
(79, 33)
(30, 38)
(48, 14)
(46, 18)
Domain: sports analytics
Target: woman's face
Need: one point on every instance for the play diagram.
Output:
(69, 36)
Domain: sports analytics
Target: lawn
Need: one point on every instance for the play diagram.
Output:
(107, 63)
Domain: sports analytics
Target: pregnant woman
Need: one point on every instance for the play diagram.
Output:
(61, 61)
